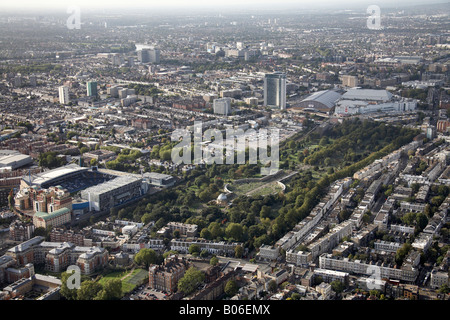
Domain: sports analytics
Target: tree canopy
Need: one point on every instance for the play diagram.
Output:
(146, 257)
(191, 280)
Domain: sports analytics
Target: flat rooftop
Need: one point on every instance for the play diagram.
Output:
(156, 175)
(367, 94)
(112, 184)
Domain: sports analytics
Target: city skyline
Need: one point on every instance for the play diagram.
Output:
(254, 4)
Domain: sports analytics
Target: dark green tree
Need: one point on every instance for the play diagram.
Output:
(272, 286)
(231, 288)
(88, 290)
(69, 294)
(194, 249)
(214, 261)
(234, 231)
(337, 286)
(112, 290)
(238, 251)
(145, 257)
(191, 280)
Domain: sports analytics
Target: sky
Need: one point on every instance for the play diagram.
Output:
(27, 4)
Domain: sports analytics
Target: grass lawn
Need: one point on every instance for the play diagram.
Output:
(243, 188)
(267, 189)
(129, 281)
(255, 188)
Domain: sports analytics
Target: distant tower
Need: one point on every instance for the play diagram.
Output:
(222, 106)
(349, 81)
(92, 89)
(64, 95)
(154, 55)
(18, 81)
(149, 55)
(143, 56)
(33, 81)
(275, 90)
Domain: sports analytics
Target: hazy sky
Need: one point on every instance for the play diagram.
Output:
(203, 3)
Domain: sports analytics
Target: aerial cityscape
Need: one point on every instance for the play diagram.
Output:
(249, 151)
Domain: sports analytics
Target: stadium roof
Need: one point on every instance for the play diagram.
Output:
(111, 184)
(116, 173)
(326, 97)
(367, 94)
(48, 176)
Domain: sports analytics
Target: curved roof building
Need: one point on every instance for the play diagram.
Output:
(322, 101)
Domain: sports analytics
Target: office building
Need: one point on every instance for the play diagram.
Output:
(64, 95)
(92, 89)
(275, 90)
(117, 59)
(33, 80)
(149, 55)
(154, 55)
(143, 56)
(349, 81)
(222, 106)
(18, 81)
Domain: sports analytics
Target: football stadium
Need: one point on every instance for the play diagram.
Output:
(71, 177)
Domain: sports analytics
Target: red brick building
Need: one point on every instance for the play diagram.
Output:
(443, 125)
(61, 235)
(165, 277)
